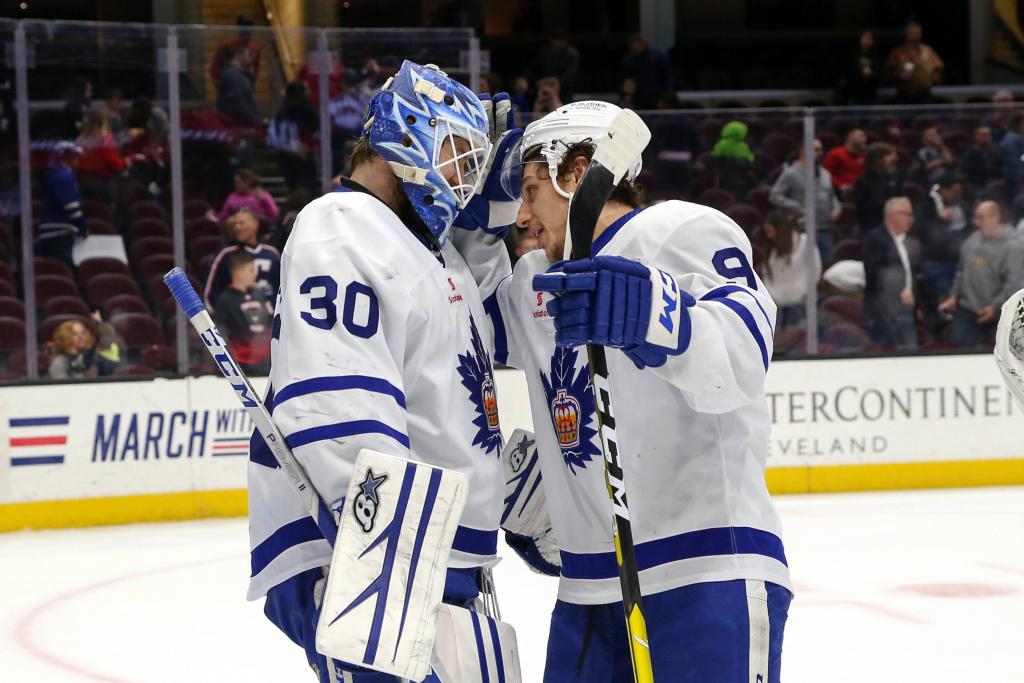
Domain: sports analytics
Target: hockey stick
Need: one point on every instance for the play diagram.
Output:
(189, 302)
(626, 139)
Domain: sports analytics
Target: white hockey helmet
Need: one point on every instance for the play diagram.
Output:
(554, 135)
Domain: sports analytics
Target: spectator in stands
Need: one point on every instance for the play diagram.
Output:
(560, 60)
(549, 96)
(293, 132)
(788, 193)
(243, 229)
(1000, 119)
(790, 268)
(100, 163)
(79, 101)
(860, 83)
(981, 162)
(61, 220)
(250, 196)
(243, 315)
(520, 95)
(1011, 149)
(846, 162)
(236, 98)
(146, 119)
(890, 261)
(627, 94)
(113, 107)
(225, 51)
(293, 203)
(649, 69)
(914, 67)
(732, 159)
(942, 228)
(990, 269)
(77, 352)
(934, 156)
(876, 185)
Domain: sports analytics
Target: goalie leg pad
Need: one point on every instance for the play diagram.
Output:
(387, 574)
(525, 516)
(474, 648)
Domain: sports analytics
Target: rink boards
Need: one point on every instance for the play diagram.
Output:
(110, 453)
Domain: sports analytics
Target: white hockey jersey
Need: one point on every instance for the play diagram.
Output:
(692, 434)
(376, 345)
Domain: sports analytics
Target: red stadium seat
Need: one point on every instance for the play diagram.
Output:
(93, 208)
(842, 309)
(66, 305)
(5, 272)
(154, 265)
(745, 216)
(12, 333)
(145, 246)
(125, 303)
(146, 209)
(11, 307)
(716, 199)
(764, 164)
(202, 227)
(790, 340)
(778, 145)
(51, 266)
(758, 198)
(100, 288)
(17, 363)
(5, 236)
(203, 245)
(160, 357)
(49, 286)
(196, 208)
(846, 337)
(90, 268)
(133, 371)
(847, 249)
(137, 329)
(148, 227)
(98, 226)
(6, 288)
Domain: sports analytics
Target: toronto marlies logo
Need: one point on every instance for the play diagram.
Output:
(571, 401)
(478, 378)
(368, 500)
(518, 456)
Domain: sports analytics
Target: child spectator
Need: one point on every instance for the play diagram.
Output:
(243, 316)
(61, 219)
(77, 353)
(248, 195)
(244, 228)
(788, 268)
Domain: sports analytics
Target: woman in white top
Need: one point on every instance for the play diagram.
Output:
(788, 267)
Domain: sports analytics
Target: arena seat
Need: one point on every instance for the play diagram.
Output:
(100, 288)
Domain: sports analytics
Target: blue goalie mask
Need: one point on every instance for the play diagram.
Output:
(432, 132)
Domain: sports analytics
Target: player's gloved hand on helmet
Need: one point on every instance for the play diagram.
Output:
(492, 209)
(621, 303)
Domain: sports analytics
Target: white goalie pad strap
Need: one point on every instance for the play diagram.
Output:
(1009, 350)
(387, 575)
(474, 648)
(623, 144)
(410, 174)
(666, 310)
(525, 510)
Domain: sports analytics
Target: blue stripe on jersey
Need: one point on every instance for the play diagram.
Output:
(485, 677)
(292, 534)
(605, 237)
(340, 430)
(475, 541)
(341, 383)
(492, 309)
(732, 289)
(702, 543)
(748, 320)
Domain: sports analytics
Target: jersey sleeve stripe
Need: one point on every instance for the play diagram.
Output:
(341, 383)
(748, 320)
(292, 534)
(475, 541)
(721, 292)
(493, 310)
(685, 546)
(340, 430)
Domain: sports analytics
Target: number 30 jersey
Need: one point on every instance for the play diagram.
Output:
(377, 344)
(692, 434)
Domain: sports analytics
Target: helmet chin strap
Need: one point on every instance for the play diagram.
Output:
(567, 245)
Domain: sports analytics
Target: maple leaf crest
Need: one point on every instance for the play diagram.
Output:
(478, 378)
(570, 399)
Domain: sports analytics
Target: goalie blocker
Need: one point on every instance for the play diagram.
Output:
(378, 610)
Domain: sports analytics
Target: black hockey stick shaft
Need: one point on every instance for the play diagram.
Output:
(587, 202)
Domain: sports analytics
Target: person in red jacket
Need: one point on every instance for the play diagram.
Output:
(100, 163)
(846, 162)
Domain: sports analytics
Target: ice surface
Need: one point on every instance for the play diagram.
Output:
(907, 586)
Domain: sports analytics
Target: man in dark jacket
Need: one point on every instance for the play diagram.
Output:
(890, 259)
(236, 98)
(649, 69)
(61, 219)
(942, 227)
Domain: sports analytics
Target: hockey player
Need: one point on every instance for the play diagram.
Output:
(379, 342)
(671, 291)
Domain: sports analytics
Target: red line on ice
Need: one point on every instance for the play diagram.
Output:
(23, 627)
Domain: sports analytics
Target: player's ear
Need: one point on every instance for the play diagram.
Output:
(579, 167)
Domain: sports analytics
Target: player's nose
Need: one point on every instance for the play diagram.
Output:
(524, 216)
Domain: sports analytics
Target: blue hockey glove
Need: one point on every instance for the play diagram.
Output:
(621, 303)
(492, 209)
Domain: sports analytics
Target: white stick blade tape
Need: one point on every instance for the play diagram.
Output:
(398, 521)
(625, 141)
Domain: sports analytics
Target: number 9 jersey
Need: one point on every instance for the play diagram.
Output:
(377, 343)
